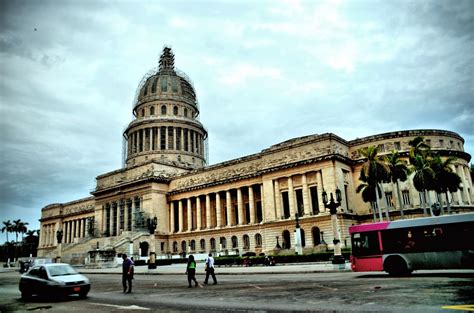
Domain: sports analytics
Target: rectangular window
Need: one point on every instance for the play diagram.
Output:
(381, 147)
(406, 197)
(428, 142)
(286, 204)
(170, 138)
(441, 143)
(299, 202)
(313, 191)
(185, 140)
(163, 138)
(389, 199)
(422, 198)
(397, 145)
(178, 138)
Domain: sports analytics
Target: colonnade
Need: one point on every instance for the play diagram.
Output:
(239, 206)
(118, 215)
(302, 199)
(165, 138)
(76, 228)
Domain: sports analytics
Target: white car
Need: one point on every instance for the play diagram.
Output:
(53, 280)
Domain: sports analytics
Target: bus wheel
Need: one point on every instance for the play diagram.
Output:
(396, 266)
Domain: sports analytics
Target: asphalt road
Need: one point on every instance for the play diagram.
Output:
(440, 291)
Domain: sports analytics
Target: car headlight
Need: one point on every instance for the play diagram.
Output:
(58, 282)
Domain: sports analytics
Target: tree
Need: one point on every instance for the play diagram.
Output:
(368, 192)
(8, 227)
(19, 227)
(424, 178)
(445, 178)
(374, 172)
(397, 171)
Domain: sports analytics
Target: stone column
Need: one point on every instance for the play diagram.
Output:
(319, 181)
(218, 210)
(125, 215)
(291, 197)
(134, 208)
(262, 202)
(172, 230)
(208, 211)
(166, 138)
(190, 214)
(181, 215)
(240, 207)
(198, 212)
(251, 205)
(151, 138)
(79, 228)
(306, 205)
(228, 203)
(278, 205)
(117, 208)
(143, 140)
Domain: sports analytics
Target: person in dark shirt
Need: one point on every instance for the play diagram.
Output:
(127, 273)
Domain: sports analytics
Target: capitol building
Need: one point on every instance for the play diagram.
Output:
(167, 202)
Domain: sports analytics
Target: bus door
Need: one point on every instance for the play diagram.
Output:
(366, 252)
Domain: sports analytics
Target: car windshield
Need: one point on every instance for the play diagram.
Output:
(60, 270)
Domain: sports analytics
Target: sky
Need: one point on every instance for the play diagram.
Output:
(264, 72)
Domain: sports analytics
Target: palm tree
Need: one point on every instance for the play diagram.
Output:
(368, 193)
(424, 178)
(446, 179)
(398, 171)
(7, 227)
(374, 172)
(19, 227)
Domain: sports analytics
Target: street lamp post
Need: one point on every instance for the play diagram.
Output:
(332, 206)
(298, 243)
(59, 237)
(152, 223)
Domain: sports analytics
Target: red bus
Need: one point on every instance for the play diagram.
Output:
(400, 247)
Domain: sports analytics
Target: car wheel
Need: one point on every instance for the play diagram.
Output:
(83, 294)
(25, 295)
(396, 266)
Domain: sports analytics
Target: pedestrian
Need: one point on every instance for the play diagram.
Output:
(127, 273)
(191, 271)
(210, 269)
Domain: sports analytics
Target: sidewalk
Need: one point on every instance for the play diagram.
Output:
(179, 269)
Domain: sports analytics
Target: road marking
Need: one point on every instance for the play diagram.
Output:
(464, 307)
(126, 307)
(255, 286)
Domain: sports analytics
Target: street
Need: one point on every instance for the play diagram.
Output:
(424, 291)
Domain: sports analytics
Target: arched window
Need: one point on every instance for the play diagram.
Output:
(183, 246)
(193, 245)
(235, 242)
(143, 112)
(144, 248)
(185, 112)
(152, 110)
(316, 236)
(163, 110)
(175, 110)
(213, 244)
(202, 244)
(175, 247)
(246, 241)
(258, 240)
(286, 240)
(303, 240)
(223, 242)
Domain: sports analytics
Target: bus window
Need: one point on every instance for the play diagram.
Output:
(365, 243)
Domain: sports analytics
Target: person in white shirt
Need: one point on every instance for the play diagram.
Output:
(210, 269)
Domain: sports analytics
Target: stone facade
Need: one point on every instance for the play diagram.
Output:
(242, 205)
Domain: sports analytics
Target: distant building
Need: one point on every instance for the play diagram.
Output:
(242, 205)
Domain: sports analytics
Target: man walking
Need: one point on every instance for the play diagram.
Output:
(210, 269)
(127, 273)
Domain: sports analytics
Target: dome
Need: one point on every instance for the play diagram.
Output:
(166, 83)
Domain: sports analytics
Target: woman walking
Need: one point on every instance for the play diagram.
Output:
(191, 271)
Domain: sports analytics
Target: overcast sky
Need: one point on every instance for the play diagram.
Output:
(264, 72)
